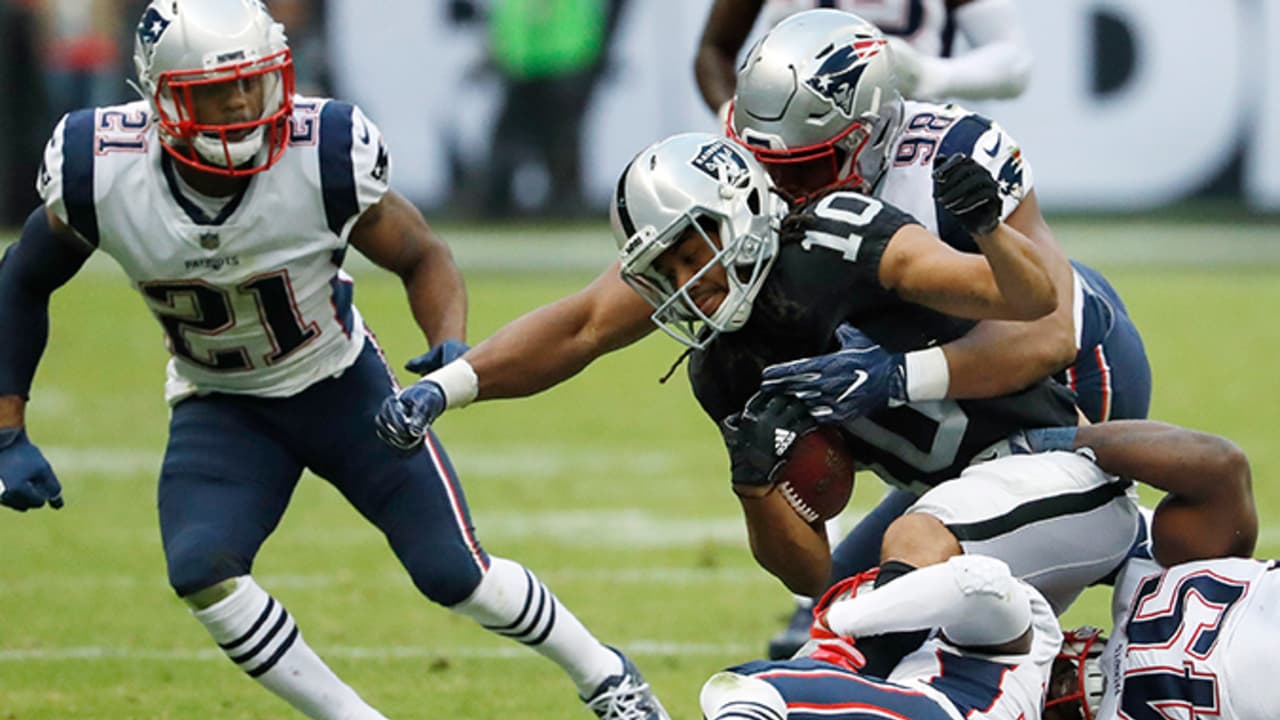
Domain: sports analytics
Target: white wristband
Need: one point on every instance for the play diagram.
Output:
(459, 382)
(928, 375)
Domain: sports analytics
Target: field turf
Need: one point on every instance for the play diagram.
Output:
(612, 487)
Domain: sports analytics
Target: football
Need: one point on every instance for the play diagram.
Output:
(816, 478)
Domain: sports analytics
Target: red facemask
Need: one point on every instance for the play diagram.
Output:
(805, 171)
(270, 77)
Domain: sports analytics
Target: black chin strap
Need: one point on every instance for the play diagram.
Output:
(674, 366)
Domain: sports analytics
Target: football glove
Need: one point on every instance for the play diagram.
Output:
(759, 437)
(968, 192)
(405, 417)
(26, 479)
(437, 357)
(856, 380)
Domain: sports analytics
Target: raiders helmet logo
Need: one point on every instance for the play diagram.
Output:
(836, 79)
(722, 162)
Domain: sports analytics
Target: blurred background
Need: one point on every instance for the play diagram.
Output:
(1153, 127)
(1133, 106)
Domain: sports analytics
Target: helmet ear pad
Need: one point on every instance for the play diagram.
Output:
(190, 57)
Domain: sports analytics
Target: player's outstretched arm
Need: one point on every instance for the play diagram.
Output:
(529, 354)
(395, 236)
(726, 30)
(45, 257)
(1011, 280)
(1209, 510)
(997, 66)
(554, 342)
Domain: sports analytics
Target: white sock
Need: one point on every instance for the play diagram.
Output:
(512, 602)
(260, 636)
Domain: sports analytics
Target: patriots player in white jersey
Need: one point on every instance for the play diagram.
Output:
(1196, 619)
(818, 103)
(921, 33)
(230, 203)
(993, 641)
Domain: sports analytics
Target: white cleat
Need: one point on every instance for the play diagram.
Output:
(625, 696)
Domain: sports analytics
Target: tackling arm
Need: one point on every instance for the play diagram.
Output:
(395, 236)
(998, 66)
(728, 24)
(999, 357)
(553, 343)
(1209, 510)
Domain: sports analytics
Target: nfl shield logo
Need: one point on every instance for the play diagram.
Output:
(209, 240)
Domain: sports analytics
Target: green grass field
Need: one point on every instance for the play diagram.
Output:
(611, 487)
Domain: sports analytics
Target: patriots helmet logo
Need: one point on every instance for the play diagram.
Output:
(150, 28)
(722, 162)
(836, 79)
(1009, 178)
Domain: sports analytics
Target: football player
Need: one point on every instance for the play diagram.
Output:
(817, 102)
(230, 203)
(921, 34)
(691, 216)
(1196, 619)
(994, 640)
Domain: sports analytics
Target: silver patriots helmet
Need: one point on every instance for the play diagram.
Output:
(193, 52)
(818, 102)
(709, 184)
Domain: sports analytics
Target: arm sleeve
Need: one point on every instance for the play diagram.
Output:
(39, 263)
(355, 167)
(998, 65)
(975, 600)
(995, 150)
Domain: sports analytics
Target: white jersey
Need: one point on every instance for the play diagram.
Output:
(930, 130)
(924, 24)
(1196, 640)
(254, 300)
(987, 687)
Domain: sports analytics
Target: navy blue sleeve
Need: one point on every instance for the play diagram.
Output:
(39, 263)
(337, 172)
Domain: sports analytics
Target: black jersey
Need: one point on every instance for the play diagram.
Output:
(832, 277)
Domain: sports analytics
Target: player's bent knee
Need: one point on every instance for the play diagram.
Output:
(919, 539)
(730, 695)
(199, 560)
(446, 583)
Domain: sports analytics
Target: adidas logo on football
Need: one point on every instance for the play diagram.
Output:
(782, 439)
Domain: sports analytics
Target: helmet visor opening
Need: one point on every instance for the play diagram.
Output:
(218, 119)
(803, 171)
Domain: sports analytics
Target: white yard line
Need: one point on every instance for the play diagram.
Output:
(642, 647)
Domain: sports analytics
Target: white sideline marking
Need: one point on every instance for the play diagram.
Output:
(633, 648)
(320, 581)
(472, 461)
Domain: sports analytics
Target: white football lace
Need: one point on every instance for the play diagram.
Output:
(626, 701)
(801, 507)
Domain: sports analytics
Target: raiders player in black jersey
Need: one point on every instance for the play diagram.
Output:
(698, 233)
